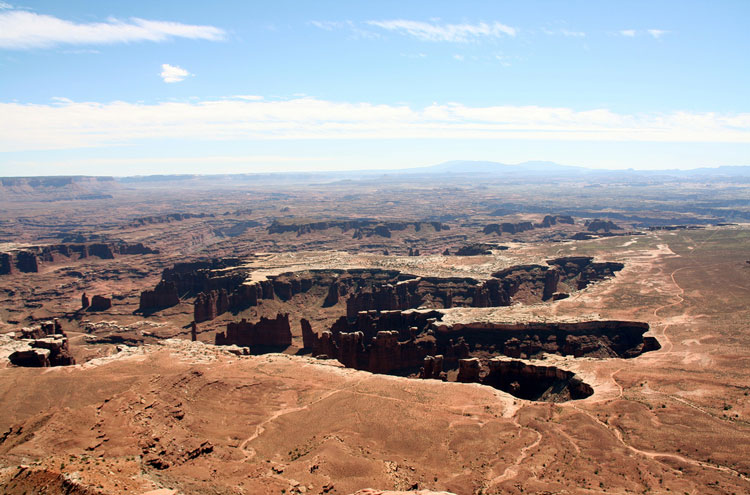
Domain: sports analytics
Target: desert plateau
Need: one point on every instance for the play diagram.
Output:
(247, 339)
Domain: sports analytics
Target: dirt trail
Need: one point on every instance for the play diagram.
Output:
(512, 471)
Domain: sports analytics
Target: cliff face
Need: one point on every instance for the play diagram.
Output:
(361, 227)
(6, 264)
(533, 382)
(383, 290)
(416, 343)
(29, 258)
(265, 333)
(164, 295)
(531, 283)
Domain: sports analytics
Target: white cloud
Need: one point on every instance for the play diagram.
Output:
(657, 33)
(564, 32)
(22, 30)
(5, 6)
(628, 32)
(426, 31)
(572, 34)
(330, 25)
(65, 124)
(458, 57)
(172, 73)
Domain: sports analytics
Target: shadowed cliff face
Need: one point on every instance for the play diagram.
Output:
(416, 344)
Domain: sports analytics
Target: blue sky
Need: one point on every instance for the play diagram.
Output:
(121, 88)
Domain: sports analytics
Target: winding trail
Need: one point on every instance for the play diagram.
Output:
(260, 427)
(512, 471)
(657, 455)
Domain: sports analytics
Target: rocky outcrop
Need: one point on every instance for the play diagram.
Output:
(85, 303)
(265, 333)
(100, 303)
(46, 345)
(6, 263)
(208, 305)
(29, 258)
(597, 225)
(479, 249)
(136, 248)
(376, 289)
(361, 227)
(597, 339)
(103, 251)
(518, 227)
(26, 261)
(507, 227)
(578, 272)
(468, 370)
(407, 342)
(550, 220)
(168, 218)
(308, 335)
(164, 295)
(528, 283)
(193, 278)
(432, 368)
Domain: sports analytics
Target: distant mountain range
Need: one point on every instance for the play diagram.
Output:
(537, 168)
(532, 170)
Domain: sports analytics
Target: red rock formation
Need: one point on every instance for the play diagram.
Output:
(433, 368)
(468, 370)
(264, 333)
(509, 228)
(351, 350)
(32, 358)
(551, 279)
(84, 301)
(208, 306)
(308, 336)
(6, 264)
(26, 261)
(48, 346)
(164, 295)
(100, 250)
(597, 224)
(100, 303)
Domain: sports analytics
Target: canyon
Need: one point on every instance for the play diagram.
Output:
(250, 335)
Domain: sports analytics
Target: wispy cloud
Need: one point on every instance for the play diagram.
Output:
(22, 30)
(435, 31)
(350, 26)
(330, 25)
(657, 33)
(5, 6)
(173, 73)
(630, 33)
(564, 32)
(67, 124)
